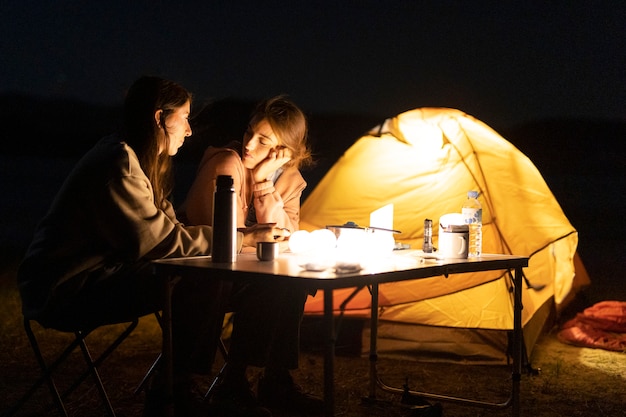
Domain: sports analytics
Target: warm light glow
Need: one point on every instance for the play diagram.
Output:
(382, 217)
(381, 243)
(413, 129)
(363, 245)
(300, 241)
(323, 240)
(321, 249)
(448, 222)
(320, 240)
(315, 250)
(603, 361)
(350, 238)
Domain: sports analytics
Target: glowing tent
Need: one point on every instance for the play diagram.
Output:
(424, 161)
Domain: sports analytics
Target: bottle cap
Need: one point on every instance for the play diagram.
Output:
(224, 181)
(472, 194)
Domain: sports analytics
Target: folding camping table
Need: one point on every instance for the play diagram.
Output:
(401, 266)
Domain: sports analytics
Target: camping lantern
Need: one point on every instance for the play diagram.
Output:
(300, 242)
(315, 250)
(356, 244)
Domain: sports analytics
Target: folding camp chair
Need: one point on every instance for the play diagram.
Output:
(48, 369)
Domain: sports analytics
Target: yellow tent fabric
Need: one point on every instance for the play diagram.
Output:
(424, 161)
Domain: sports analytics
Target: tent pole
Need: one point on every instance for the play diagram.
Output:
(329, 355)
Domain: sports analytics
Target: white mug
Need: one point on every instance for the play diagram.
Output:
(453, 244)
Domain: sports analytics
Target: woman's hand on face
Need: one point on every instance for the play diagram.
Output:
(275, 159)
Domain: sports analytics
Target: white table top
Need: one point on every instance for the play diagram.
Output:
(398, 266)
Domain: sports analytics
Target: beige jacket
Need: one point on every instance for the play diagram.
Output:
(103, 216)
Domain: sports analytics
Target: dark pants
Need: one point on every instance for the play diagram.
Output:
(266, 325)
(114, 295)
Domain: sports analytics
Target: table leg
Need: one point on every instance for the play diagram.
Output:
(373, 341)
(517, 352)
(517, 342)
(329, 355)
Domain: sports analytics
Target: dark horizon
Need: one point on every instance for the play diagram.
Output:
(35, 120)
(504, 63)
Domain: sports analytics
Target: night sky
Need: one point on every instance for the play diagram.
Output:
(503, 62)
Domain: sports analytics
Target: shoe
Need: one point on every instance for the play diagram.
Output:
(235, 399)
(284, 394)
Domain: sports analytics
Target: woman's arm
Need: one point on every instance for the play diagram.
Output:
(280, 203)
(137, 229)
(198, 206)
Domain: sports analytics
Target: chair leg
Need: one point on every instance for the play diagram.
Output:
(96, 376)
(46, 375)
(148, 375)
(92, 366)
(157, 362)
(220, 374)
(154, 366)
(48, 370)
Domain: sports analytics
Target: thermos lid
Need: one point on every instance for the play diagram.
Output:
(224, 181)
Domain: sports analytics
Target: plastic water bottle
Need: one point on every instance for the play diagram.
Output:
(224, 245)
(473, 216)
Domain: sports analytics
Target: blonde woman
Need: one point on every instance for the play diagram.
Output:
(269, 185)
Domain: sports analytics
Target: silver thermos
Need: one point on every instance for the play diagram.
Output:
(224, 245)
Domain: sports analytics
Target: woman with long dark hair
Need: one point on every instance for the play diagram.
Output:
(89, 261)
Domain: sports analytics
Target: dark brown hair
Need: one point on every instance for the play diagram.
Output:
(145, 97)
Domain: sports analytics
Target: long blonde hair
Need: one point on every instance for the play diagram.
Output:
(290, 126)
